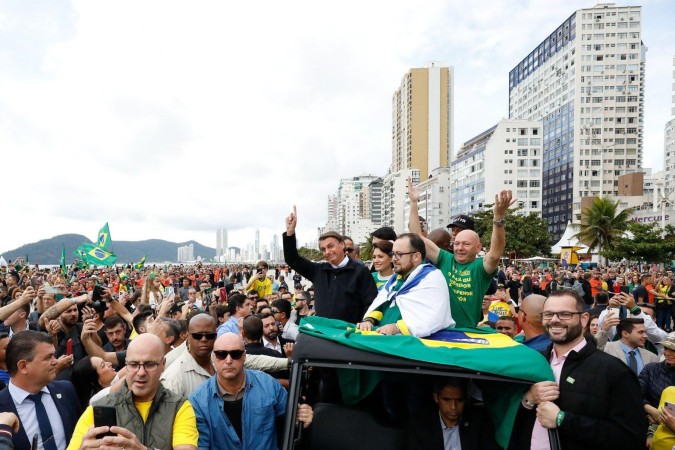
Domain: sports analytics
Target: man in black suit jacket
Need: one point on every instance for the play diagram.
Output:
(455, 424)
(32, 369)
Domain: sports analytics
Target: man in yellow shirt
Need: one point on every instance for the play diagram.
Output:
(259, 281)
(149, 416)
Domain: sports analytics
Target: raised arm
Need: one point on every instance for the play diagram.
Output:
(498, 240)
(26, 297)
(291, 256)
(414, 225)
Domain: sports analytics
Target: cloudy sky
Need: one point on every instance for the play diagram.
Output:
(169, 119)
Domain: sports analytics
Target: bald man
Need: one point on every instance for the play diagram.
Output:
(441, 238)
(467, 275)
(529, 317)
(237, 407)
(149, 415)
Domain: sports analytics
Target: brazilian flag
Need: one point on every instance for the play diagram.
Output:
(64, 268)
(98, 256)
(82, 255)
(139, 265)
(104, 239)
(477, 349)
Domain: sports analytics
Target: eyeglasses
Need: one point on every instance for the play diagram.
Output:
(223, 354)
(562, 315)
(200, 336)
(349, 249)
(149, 366)
(275, 311)
(397, 255)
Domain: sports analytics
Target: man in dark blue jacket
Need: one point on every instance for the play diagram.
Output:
(45, 407)
(344, 288)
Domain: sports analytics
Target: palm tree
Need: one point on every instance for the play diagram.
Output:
(602, 223)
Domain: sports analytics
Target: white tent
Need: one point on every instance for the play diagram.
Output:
(3, 263)
(568, 240)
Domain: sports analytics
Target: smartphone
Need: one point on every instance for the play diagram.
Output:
(168, 290)
(98, 292)
(670, 407)
(105, 416)
(613, 311)
(51, 289)
(69, 347)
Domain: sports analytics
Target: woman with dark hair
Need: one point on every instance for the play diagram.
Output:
(382, 262)
(90, 375)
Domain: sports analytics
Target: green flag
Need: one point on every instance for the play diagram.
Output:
(82, 263)
(480, 350)
(104, 239)
(139, 265)
(98, 256)
(64, 268)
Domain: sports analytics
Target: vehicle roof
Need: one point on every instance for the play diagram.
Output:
(315, 351)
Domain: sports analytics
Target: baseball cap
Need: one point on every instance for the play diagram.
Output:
(462, 221)
(669, 342)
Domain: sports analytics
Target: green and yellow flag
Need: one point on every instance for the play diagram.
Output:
(98, 256)
(477, 349)
(139, 265)
(104, 239)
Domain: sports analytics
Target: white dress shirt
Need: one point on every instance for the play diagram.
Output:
(26, 410)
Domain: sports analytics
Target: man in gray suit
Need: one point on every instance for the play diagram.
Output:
(630, 347)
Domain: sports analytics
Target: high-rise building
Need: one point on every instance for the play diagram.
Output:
(422, 120)
(351, 218)
(221, 244)
(186, 253)
(669, 145)
(506, 156)
(256, 249)
(434, 201)
(585, 82)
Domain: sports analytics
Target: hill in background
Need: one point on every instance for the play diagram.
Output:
(48, 251)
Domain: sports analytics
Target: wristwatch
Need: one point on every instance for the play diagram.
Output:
(499, 223)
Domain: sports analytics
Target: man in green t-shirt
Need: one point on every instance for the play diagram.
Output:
(468, 276)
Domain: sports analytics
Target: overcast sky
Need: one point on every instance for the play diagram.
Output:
(169, 119)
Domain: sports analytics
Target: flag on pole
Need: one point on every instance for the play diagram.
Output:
(98, 256)
(64, 269)
(139, 265)
(104, 239)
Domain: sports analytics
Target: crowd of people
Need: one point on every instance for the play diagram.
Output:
(193, 357)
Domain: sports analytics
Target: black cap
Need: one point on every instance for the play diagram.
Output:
(462, 221)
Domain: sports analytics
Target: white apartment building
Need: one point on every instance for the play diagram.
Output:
(434, 202)
(585, 81)
(669, 144)
(351, 220)
(394, 195)
(506, 156)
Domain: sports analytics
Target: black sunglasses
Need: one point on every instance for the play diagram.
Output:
(223, 354)
(200, 336)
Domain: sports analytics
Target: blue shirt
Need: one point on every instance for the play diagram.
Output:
(231, 326)
(638, 356)
(264, 401)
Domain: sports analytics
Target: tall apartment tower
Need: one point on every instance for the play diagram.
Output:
(422, 120)
(221, 243)
(585, 82)
(669, 145)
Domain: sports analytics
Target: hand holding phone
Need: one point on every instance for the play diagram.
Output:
(105, 416)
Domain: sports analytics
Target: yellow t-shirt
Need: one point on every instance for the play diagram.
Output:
(664, 438)
(184, 426)
(262, 287)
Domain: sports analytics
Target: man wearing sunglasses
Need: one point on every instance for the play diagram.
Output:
(193, 368)
(238, 408)
(148, 415)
